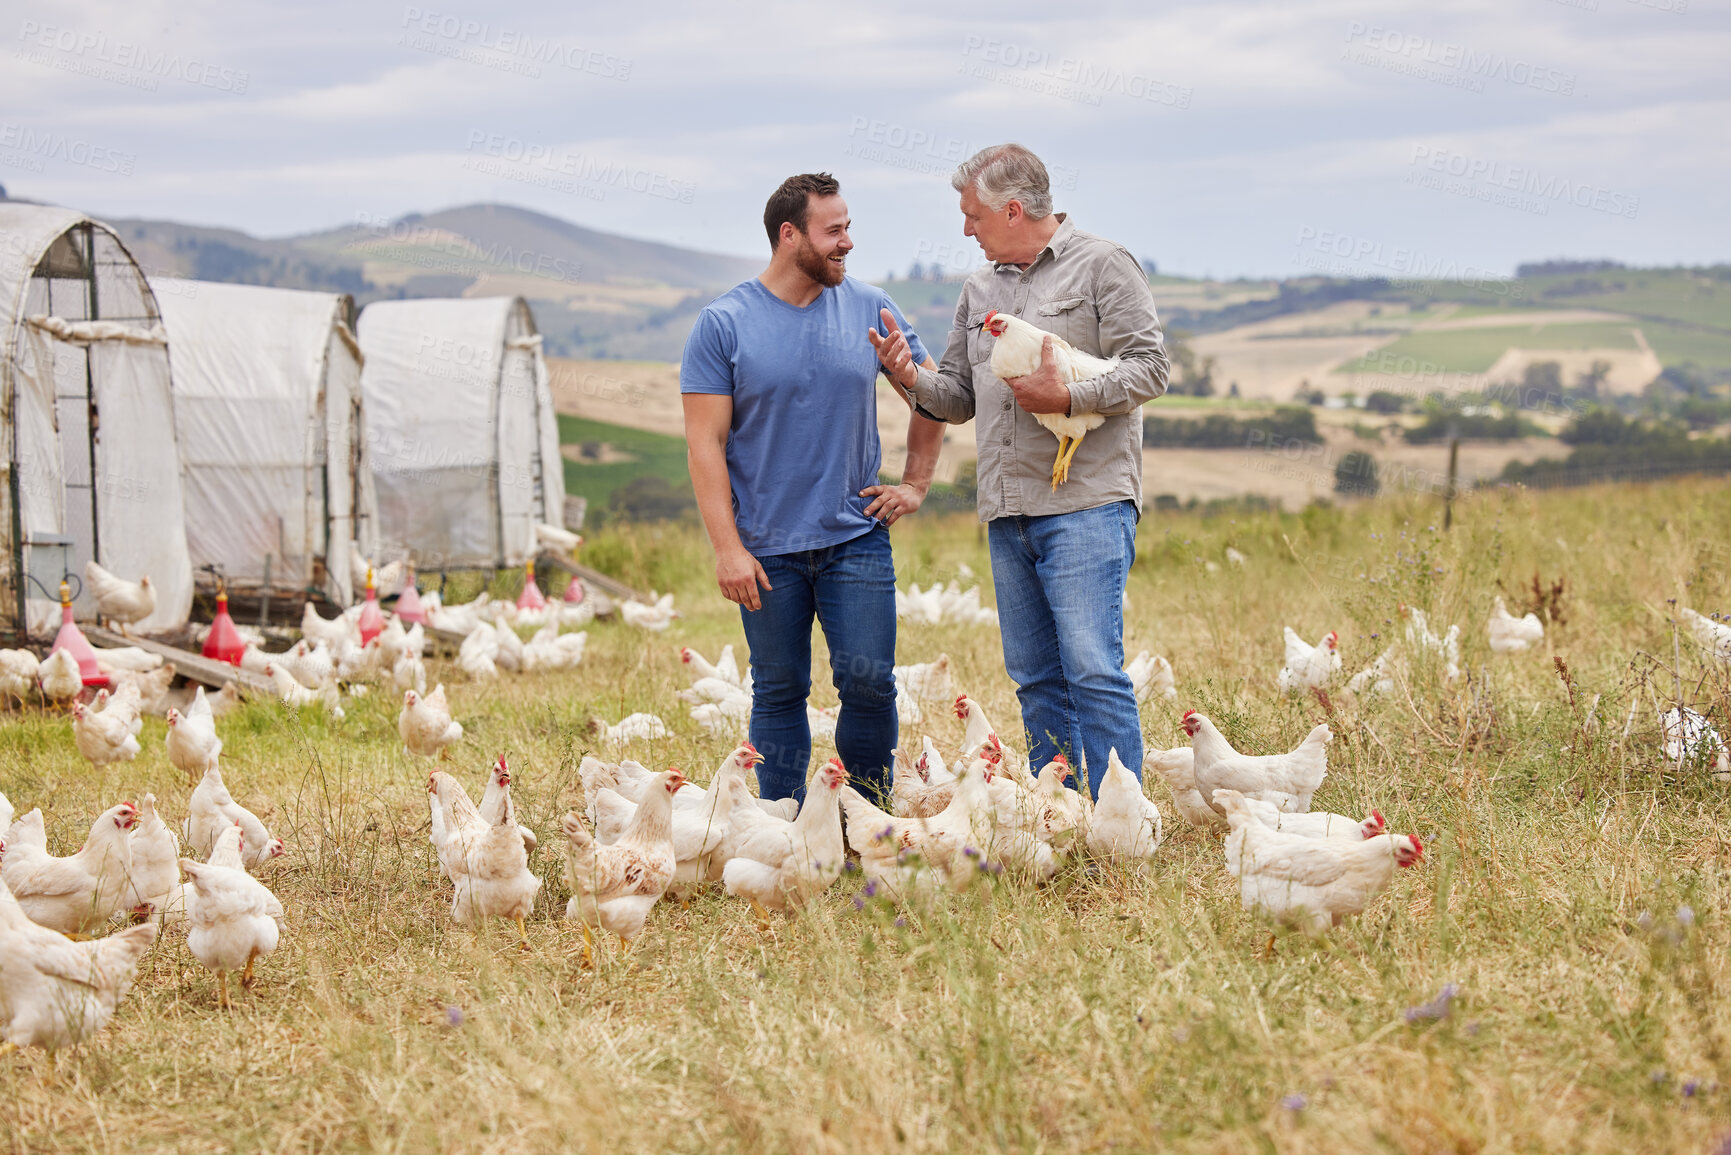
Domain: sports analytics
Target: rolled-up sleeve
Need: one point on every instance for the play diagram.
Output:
(1129, 331)
(947, 392)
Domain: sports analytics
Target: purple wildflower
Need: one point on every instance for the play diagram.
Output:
(1437, 1008)
(1295, 1102)
(871, 889)
(858, 902)
(901, 922)
(1690, 1088)
(454, 1016)
(970, 852)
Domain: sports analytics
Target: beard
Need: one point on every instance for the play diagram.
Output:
(817, 265)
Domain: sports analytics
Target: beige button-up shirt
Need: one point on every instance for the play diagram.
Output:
(1094, 295)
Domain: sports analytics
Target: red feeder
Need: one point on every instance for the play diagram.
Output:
(531, 598)
(72, 640)
(409, 603)
(223, 643)
(574, 591)
(372, 621)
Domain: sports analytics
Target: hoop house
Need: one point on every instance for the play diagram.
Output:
(460, 424)
(267, 401)
(91, 467)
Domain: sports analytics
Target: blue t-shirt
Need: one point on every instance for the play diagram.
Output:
(804, 439)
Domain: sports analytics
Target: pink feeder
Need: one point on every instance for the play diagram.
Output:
(409, 607)
(372, 621)
(223, 643)
(574, 591)
(531, 598)
(72, 640)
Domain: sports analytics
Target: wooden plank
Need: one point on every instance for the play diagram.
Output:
(195, 666)
(596, 578)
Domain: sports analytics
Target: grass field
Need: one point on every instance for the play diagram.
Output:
(1476, 350)
(1573, 887)
(654, 454)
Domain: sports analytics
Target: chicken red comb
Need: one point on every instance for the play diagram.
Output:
(1417, 844)
(1190, 713)
(988, 320)
(835, 760)
(501, 762)
(1380, 820)
(961, 710)
(1060, 760)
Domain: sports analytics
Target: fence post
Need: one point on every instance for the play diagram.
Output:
(1449, 488)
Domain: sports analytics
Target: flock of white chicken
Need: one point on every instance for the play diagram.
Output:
(645, 835)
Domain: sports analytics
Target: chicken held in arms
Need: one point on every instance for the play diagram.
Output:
(1017, 354)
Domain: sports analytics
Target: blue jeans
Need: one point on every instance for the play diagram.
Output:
(1060, 589)
(850, 589)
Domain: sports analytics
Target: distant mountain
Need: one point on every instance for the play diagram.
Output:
(595, 294)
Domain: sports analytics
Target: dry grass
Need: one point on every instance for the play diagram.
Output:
(1101, 1011)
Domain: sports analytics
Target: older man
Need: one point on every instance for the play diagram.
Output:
(1060, 553)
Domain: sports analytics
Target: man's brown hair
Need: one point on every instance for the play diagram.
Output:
(791, 203)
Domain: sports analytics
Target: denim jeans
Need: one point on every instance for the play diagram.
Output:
(1060, 589)
(850, 590)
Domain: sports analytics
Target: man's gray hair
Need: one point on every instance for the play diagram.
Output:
(1004, 173)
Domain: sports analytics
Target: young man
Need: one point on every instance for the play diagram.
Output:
(780, 396)
(1060, 554)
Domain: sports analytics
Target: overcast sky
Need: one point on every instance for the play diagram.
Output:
(1217, 137)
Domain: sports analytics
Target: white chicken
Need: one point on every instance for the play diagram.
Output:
(927, 681)
(657, 616)
(233, 920)
(1510, 634)
(332, 631)
(77, 894)
(193, 745)
(130, 659)
(551, 650)
(1178, 767)
(781, 865)
(1125, 825)
(477, 653)
(103, 737)
(615, 887)
(1016, 353)
(1151, 674)
(922, 786)
(1313, 882)
(57, 993)
(1689, 735)
(556, 539)
(388, 579)
(1049, 810)
(639, 727)
(1716, 636)
(213, 810)
(458, 823)
(510, 652)
(19, 670)
(1376, 678)
(725, 667)
(425, 724)
(1309, 667)
(59, 678)
(1447, 647)
(487, 859)
(153, 884)
(951, 845)
(120, 601)
(1286, 781)
(702, 820)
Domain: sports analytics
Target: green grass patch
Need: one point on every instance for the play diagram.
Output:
(653, 454)
(1475, 350)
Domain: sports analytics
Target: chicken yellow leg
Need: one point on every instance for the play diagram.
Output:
(1065, 456)
(762, 913)
(522, 932)
(588, 948)
(1059, 467)
(222, 990)
(246, 975)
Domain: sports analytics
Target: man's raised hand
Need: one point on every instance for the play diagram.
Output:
(893, 352)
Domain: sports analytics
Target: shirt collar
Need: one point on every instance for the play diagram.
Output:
(1055, 246)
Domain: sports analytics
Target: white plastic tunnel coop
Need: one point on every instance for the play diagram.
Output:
(460, 425)
(92, 471)
(267, 398)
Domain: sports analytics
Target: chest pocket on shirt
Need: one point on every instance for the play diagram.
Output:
(1071, 318)
(980, 343)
